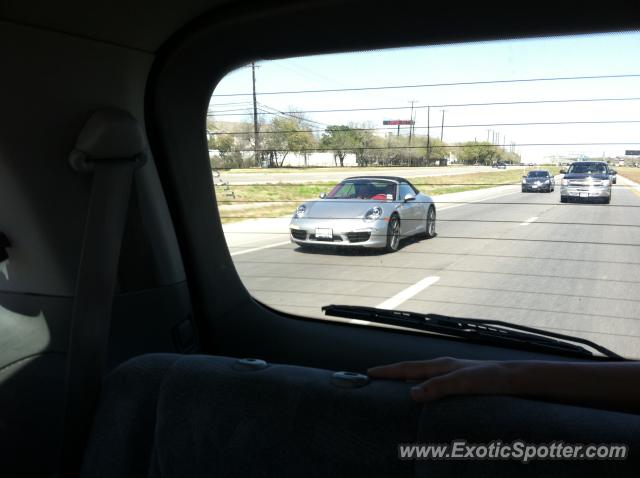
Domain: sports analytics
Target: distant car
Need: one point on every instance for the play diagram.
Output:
(538, 181)
(500, 165)
(531, 164)
(614, 176)
(586, 180)
(365, 211)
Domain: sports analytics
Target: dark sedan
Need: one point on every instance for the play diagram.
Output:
(538, 181)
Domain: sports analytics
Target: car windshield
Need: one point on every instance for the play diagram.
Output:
(588, 168)
(538, 174)
(363, 189)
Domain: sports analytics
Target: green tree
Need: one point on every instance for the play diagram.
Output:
(363, 142)
(286, 135)
(228, 154)
(341, 139)
(481, 152)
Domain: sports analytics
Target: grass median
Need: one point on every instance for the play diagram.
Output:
(274, 200)
(630, 173)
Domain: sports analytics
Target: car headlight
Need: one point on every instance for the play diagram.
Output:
(605, 182)
(565, 182)
(300, 211)
(546, 181)
(373, 214)
(524, 181)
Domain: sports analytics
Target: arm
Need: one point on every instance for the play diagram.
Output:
(614, 386)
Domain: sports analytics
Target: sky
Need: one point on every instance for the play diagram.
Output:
(584, 55)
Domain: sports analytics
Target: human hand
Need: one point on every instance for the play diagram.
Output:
(446, 376)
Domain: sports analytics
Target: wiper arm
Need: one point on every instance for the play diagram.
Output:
(495, 332)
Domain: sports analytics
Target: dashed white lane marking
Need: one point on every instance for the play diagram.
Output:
(529, 221)
(472, 202)
(407, 293)
(268, 246)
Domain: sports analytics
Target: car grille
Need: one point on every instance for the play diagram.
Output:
(585, 183)
(300, 235)
(358, 236)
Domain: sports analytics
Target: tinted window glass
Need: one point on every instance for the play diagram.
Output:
(588, 168)
(406, 189)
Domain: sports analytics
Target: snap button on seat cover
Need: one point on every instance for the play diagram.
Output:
(250, 364)
(349, 380)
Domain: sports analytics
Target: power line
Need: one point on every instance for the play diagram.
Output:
(432, 85)
(502, 239)
(483, 221)
(467, 203)
(469, 125)
(232, 103)
(590, 260)
(628, 143)
(221, 112)
(285, 114)
(464, 105)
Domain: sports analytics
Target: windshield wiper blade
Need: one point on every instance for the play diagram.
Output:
(495, 332)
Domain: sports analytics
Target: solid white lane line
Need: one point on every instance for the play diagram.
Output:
(529, 221)
(244, 243)
(247, 251)
(407, 293)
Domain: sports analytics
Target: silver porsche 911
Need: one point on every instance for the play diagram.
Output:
(374, 212)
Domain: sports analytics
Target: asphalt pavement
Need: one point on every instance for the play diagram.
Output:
(499, 254)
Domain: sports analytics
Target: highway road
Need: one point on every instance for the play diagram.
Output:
(337, 174)
(499, 254)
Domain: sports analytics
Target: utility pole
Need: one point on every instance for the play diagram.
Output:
(442, 126)
(488, 134)
(256, 137)
(411, 125)
(428, 133)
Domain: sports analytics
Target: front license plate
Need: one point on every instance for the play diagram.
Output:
(584, 195)
(324, 233)
(535, 186)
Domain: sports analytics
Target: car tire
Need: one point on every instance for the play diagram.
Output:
(524, 190)
(563, 199)
(606, 200)
(430, 230)
(393, 234)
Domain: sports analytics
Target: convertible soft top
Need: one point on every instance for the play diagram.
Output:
(396, 179)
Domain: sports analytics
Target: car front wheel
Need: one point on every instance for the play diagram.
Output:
(393, 234)
(431, 223)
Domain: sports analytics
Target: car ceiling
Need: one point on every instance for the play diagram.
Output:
(140, 24)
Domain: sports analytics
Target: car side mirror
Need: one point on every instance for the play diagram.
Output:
(409, 197)
(563, 171)
(613, 171)
(323, 195)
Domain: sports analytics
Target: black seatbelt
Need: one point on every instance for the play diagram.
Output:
(111, 146)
